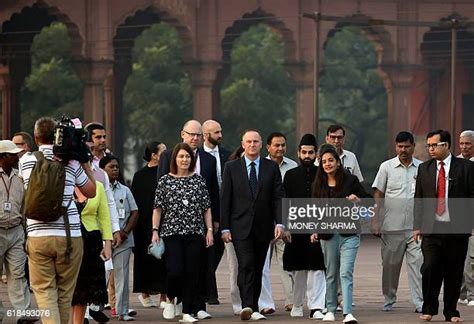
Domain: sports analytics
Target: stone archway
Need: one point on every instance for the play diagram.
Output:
(123, 43)
(355, 90)
(16, 38)
(234, 32)
(436, 62)
(384, 51)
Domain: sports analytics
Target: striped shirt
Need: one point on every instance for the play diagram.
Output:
(75, 175)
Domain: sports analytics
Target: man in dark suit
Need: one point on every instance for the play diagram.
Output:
(251, 216)
(444, 222)
(206, 167)
(212, 132)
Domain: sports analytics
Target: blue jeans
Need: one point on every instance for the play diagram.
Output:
(339, 257)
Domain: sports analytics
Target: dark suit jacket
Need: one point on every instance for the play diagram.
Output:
(242, 214)
(208, 171)
(224, 156)
(461, 185)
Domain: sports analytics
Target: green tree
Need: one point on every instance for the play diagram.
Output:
(158, 94)
(353, 95)
(52, 88)
(258, 93)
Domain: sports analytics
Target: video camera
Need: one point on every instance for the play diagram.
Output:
(70, 140)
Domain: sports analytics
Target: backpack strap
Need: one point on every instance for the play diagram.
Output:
(68, 234)
(38, 155)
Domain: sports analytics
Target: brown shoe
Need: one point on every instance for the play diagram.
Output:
(246, 313)
(288, 307)
(267, 311)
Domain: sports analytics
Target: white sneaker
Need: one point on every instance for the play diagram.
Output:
(463, 301)
(317, 315)
(256, 316)
(169, 311)
(187, 319)
(202, 315)
(146, 302)
(178, 310)
(162, 304)
(471, 303)
(126, 318)
(329, 317)
(296, 311)
(349, 319)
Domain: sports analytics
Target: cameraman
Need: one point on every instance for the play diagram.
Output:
(52, 279)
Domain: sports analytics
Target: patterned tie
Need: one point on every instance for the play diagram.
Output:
(253, 179)
(441, 193)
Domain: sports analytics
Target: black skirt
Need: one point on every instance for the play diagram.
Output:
(91, 285)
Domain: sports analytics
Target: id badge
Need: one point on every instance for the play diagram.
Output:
(7, 207)
(413, 185)
(121, 213)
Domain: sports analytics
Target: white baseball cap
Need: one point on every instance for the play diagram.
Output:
(7, 146)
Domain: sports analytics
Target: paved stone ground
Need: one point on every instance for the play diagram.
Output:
(368, 298)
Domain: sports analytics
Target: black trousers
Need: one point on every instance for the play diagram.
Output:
(214, 254)
(443, 260)
(183, 259)
(251, 254)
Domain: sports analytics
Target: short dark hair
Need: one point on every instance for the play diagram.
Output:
(152, 147)
(404, 137)
(335, 128)
(444, 136)
(176, 149)
(106, 160)
(27, 138)
(91, 127)
(273, 135)
(44, 130)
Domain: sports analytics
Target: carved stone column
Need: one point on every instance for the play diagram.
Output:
(399, 105)
(203, 75)
(93, 74)
(305, 117)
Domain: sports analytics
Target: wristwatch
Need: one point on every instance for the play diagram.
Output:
(155, 229)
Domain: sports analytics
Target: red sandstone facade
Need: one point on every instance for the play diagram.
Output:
(418, 98)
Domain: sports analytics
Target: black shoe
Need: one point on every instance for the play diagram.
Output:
(132, 313)
(213, 301)
(98, 316)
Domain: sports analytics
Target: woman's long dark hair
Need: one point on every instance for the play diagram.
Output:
(320, 184)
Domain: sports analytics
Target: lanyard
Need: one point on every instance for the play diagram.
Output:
(5, 185)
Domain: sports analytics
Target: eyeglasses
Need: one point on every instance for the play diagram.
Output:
(434, 145)
(193, 134)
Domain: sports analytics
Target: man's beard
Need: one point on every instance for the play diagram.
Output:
(213, 141)
(307, 162)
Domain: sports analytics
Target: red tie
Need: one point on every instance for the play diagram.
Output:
(441, 194)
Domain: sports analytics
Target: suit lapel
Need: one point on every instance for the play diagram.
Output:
(245, 177)
(261, 174)
(453, 170)
(432, 176)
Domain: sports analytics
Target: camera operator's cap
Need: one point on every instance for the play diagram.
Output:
(7, 146)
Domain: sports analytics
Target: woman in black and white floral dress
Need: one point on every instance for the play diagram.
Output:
(182, 218)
